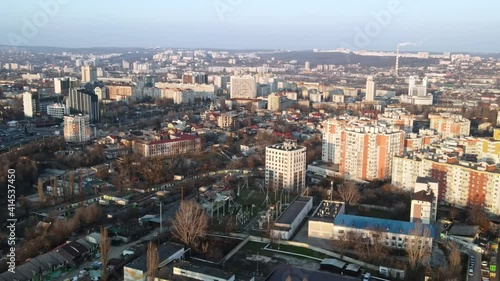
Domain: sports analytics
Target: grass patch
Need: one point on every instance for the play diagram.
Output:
(299, 250)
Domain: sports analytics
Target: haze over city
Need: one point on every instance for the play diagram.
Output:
(437, 26)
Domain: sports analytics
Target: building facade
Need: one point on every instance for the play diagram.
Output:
(89, 73)
(285, 166)
(178, 145)
(461, 183)
(243, 87)
(366, 152)
(84, 102)
(57, 110)
(450, 125)
(228, 120)
(370, 89)
(76, 128)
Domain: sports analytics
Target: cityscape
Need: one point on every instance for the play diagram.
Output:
(374, 160)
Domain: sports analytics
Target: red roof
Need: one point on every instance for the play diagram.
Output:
(183, 137)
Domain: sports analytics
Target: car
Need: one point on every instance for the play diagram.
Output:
(471, 272)
(367, 276)
(94, 278)
(75, 278)
(83, 272)
(97, 255)
(484, 263)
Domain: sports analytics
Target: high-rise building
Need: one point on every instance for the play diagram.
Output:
(89, 73)
(370, 89)
(57, 110)
(76, 128)
(62, 84)
(84, 102)
(307, 65)
(125, 64)
(243, 87)
(35, 104)
(221, 81)
(332, 134)
(101, 92)
(417, 90)
(366, 151)
(285, 166)
(450, 125)
(274, 102)
(461, 183)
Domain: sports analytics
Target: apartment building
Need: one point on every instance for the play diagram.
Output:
(366, 151)
(450, 125)
(175, 145)
(286, 166)
(228, 120)
(461, 183)
(77, 128)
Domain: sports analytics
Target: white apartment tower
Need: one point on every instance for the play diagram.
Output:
(370, 89)
(286, 166)
(89, 73)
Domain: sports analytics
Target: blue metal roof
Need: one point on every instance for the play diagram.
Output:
(391, 226)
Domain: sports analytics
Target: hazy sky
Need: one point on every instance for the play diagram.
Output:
(435, 25)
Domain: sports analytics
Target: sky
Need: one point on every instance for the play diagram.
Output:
(435, 26)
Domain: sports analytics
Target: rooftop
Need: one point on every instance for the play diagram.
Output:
(293, 210)
(204, 270)
(164, 251)
(328, 210)
(391, 226)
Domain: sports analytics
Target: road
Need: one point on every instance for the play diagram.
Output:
(477, 267)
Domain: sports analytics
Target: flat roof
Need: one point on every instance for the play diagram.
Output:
(164, 252)
(328, 210)
(204, 270)
(293, 210)
(334, 262)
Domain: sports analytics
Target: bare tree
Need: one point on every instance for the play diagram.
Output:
(71, 183)
(80, 186)
(478, 217)
(190, 223)
(153, 260)
(349, 193)
(56, 190)
(418, 249)
(104, 248)
(454, 260)
(40, 190)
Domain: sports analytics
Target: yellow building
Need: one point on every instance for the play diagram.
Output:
(496, 134)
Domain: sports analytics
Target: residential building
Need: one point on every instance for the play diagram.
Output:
(424, 201)
(370, 89)
(89, 73)
(76, 128)
(332, 133)
(461, 183)
(84, 102)
(285, 166)
(57, 110)
(228, 120)
(62, 84)
(194, 78)
(401, 119)
(417, 94)
(102, 93)
(274, 102)
(175, 145)
(120, 91)
(366, 151)
(243, 87)
(450, 125)
(488, 149)
(35, 104)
